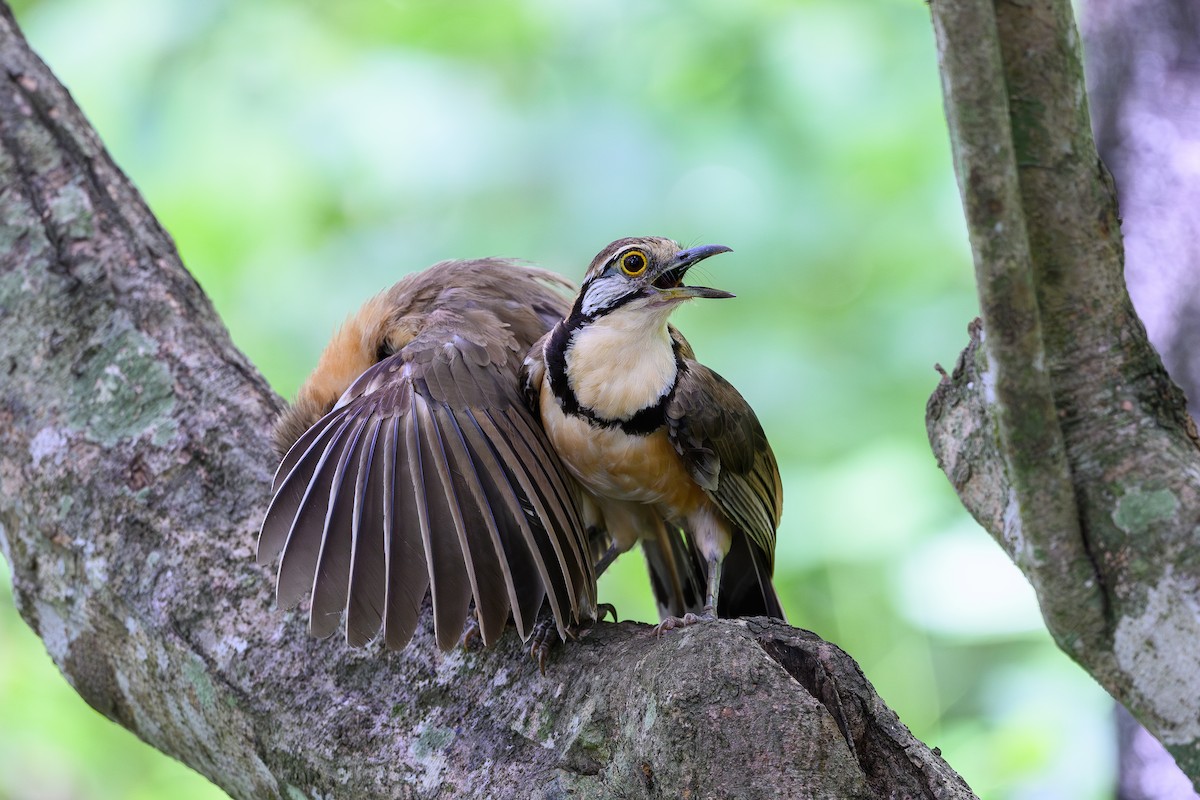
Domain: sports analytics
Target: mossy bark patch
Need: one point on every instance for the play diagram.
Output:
(122, 389)
(1139, 511)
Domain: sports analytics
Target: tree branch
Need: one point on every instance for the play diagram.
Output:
(1041, 527)
(134, 470)
(1129, 444)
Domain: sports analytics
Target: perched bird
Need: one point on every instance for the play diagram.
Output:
(471, 436)
(659, 442)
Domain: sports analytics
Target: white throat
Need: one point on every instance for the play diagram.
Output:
(622, 362)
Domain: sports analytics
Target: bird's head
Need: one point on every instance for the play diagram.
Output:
(643, 273)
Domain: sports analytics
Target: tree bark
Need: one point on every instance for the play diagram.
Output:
(1059, 429)
(135, 466)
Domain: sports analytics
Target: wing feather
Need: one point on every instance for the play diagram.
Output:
(451, 581)
(430, 476)
(565, 509)
(719, 438)
(540, 543)
(332, 575)
(303, 446)
(408, 575)
(529, 581)
(491, 582)
(366, 594)
(302, 548)
(292, 488)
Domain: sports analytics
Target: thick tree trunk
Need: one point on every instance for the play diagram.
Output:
(134, 470)
(1060, 429)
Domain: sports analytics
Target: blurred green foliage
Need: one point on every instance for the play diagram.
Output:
(305, 155)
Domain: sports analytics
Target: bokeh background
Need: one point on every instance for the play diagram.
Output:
(305, 155)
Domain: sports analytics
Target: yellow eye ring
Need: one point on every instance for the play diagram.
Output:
(634, 262)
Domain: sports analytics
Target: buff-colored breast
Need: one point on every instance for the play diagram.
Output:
(612, 464)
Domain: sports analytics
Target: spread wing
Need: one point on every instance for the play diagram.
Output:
(720, 440)
(430, 474)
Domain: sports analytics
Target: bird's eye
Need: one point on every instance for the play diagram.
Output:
(634, 263)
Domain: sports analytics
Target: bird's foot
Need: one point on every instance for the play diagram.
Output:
(543, 637)
(602, 610)
(545, 633)
(472, 637)
(671, 623)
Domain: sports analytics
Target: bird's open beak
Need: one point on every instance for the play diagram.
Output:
(669, 282)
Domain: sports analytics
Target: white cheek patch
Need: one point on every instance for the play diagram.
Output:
(603, 293)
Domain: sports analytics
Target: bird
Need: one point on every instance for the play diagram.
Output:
(660, 444)
(474, 440)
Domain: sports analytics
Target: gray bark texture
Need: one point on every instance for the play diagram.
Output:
(1060, 429)
(135, 466)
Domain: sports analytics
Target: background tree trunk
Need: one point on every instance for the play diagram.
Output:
(134, 469)
(1143, 70)
(1060, 429)
(1144, 78)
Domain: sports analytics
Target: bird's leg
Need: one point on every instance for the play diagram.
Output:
(610, 555)
(714, 586)
(471, 634)
(710, 603)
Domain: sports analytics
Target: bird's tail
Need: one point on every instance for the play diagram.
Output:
(746, 588)
(679, 577)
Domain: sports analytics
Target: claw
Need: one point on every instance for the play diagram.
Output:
(544, 634)
(671, 623)
(470, 633)
(540, 640)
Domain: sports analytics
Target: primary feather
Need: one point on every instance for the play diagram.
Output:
(413, 466)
